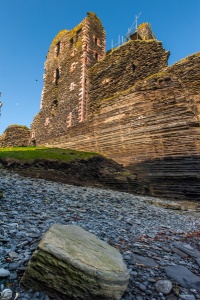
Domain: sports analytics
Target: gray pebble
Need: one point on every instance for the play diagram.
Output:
(142, 287)
(163, 286)
(142, 233)
(187, 297)
(6, 294)
(4, 272)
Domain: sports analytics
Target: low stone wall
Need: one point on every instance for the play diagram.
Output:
(15, 136)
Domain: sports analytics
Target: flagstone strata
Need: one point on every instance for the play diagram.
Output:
(85, 266)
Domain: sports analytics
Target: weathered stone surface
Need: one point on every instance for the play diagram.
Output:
(143, 128)
(198, 261)
(71, 263)
(15, 136)
(127, 105)
(144, 260)
(123, 67)
(163, 286)
(188, 249)
(4, 272)
(65, 93)
(184, 277)
(6, 294)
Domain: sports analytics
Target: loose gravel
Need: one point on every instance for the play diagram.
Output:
(151, 240)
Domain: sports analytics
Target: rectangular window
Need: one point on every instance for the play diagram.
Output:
(71, 42)
(57, 48)
(78, 33)
(57, 76)
(96, 56)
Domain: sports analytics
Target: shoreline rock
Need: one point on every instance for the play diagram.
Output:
(125, 221)
(72, 263)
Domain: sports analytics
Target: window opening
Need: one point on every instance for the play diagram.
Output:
(55, 103)
(71, 42)
(96, 56)
(57, 76)
(78, 33)
(133, 67)
(96, 40)
(57, 48)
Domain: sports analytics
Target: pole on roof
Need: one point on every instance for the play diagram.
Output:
(0, 104)
(136, 24)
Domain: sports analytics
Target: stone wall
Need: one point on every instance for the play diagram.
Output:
(15, 136)
(152, 128)
(123, 67)
(127, 105)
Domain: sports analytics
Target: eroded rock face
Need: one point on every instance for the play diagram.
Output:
(71, 263)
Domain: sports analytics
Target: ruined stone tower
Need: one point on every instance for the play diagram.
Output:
(126, 104)
(65, 91)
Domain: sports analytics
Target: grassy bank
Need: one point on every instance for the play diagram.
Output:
(31, 153)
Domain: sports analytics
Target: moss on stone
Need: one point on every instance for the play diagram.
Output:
(16, 126)
(142, 25)
(59, 35)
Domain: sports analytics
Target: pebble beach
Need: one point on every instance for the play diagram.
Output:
(160, 247)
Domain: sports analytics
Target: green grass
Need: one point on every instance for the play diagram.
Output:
(32, 153)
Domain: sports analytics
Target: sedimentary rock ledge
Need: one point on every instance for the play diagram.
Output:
(156, 244)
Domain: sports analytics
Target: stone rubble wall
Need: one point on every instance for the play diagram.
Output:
(124, 66)
(15, 136)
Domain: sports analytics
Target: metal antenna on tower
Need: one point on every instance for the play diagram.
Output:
(133, 28)
(136, 18)
(0, 104)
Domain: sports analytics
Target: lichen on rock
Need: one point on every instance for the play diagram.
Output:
(71, 263)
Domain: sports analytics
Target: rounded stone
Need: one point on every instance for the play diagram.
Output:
(4, 272)
(72, 253)
(163, 286)
(142, 287)
(6, 294)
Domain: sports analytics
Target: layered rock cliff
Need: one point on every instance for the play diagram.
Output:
(152, 128)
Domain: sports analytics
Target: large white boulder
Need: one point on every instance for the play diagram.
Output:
(71, 263)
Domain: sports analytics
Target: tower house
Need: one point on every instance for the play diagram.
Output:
(143, 32)
(65, 90)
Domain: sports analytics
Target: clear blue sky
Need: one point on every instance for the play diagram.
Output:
(27, 28)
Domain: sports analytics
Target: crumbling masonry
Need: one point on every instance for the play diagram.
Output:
(72, 88)
(126, 104)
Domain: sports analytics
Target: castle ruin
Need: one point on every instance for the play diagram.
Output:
(72, 87)
(126, 104)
